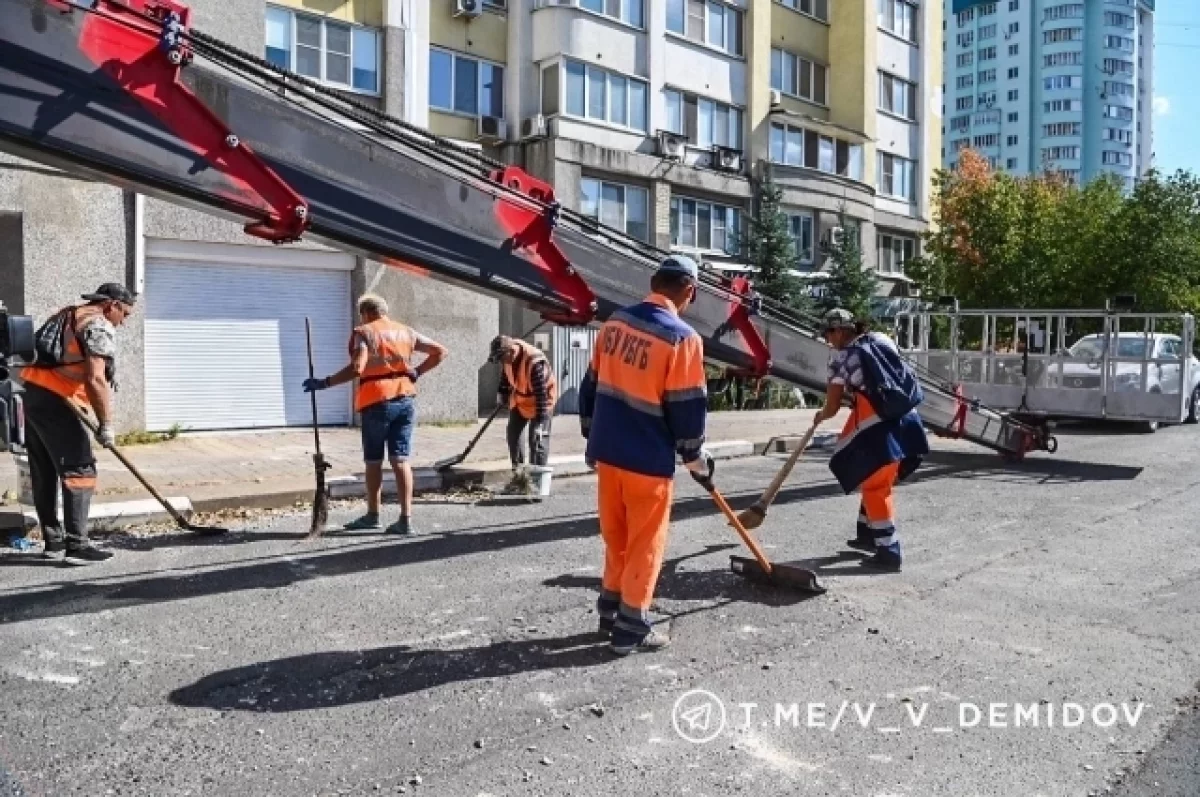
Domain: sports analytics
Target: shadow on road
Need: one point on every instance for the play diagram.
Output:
(341, 678)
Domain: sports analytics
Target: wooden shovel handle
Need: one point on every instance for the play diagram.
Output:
(768, 496)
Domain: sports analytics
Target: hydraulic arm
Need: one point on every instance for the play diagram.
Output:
(115, 91)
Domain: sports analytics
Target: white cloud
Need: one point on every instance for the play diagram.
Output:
(1162, 106)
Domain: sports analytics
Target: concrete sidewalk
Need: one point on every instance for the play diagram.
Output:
(271, 469)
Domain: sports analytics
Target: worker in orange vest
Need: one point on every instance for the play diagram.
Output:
(381, 354)
(528, 386)
(60, 453)
(642, 403)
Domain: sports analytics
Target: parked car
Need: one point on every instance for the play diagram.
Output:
(1162, 377)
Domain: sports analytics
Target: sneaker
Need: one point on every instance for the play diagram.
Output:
(401, 526)
(54, 549)
(884, 560)
(86, 555)
(605, 627)
(367, 522)
(859, 544)
(650, 643)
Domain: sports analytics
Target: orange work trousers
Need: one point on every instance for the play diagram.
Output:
(635, 513)
(877, 514)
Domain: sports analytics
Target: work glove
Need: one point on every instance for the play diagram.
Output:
(702, 467)
(105, 436)
(313, 384)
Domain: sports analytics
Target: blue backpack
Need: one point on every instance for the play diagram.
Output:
(888, 383)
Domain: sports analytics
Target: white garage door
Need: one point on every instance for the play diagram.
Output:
(225, 344)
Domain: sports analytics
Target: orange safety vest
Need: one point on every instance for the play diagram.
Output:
(520, 376)
(390, 346)
(68, 379)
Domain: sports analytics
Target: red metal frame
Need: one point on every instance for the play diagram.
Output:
(740, 320)
(531, 229)
(145, 58)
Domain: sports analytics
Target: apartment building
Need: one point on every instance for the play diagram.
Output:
(659, 116)
(1052, 84)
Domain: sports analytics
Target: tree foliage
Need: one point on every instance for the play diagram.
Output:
(1040, 242)
(850, 285)
(771, 250)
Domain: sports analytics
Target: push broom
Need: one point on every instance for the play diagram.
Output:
(320, 515)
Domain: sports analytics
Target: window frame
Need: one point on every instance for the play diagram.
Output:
(698, 142)
(292, 33)
(881, 15)
(618, 18)
(906, 242)
(911, 91)
(455, 57)
(563, 64)
(625, 189)
(805, 256)
(806, 136)
(802, 12)
(797, 77)
(883, 158)
(676, 226)
(739, 51)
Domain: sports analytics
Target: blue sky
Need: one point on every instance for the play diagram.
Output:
(1177, 68)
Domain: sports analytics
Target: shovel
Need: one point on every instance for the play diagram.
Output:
(450, 462)
(179, 519)
(754, 516)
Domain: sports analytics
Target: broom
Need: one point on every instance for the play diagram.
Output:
(320, 515)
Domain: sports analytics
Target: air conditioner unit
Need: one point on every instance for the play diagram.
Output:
(837, 236)
(671, 145)
(533, 127)
(468, 8)
(492, 130)
(776, 97)
(727, 159)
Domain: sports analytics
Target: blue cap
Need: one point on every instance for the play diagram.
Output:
(680, 264)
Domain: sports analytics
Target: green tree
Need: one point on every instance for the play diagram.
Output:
(771, 250)
(850, 285)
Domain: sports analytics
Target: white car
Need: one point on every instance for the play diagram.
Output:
(1162, 377)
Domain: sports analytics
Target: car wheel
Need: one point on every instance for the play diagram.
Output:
(1194, 406)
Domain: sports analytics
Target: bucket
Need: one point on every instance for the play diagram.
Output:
(541, 476)
(25, 482)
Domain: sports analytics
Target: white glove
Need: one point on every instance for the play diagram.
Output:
(701, 465)
(105, 436)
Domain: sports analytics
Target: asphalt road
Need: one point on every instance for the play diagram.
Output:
(463, 662)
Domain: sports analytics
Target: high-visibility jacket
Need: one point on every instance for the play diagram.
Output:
(390, 346)
(643, 399)
(519, 374)
(68, 379)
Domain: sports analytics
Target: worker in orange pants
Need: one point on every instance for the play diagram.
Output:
(642, 403)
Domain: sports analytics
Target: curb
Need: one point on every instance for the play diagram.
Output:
(111, 516)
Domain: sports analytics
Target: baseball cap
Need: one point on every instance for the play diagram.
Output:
(680, 264)
(112, 292)
(837, 318)
(496, 349)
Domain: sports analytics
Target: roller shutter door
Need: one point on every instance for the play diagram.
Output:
(224, 335)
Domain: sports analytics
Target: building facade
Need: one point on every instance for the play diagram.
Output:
(1052, 84)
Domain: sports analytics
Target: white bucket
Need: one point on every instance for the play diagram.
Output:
(25, 482)
(542, 476)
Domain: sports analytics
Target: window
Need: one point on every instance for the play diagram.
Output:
(897, 96)
(1063, 82)
(1109, 158)
(1011, 164)
(1116, 20)
(1014, 27)
(1067, 11)
(1119, 43)
(1059, 129)
(965, 81)
(987, 118)
(966, 39)
(896, 176)
(987, 32)
(814, 8)
(1117, 112)
(960, 123)
(797, 146)
(465, 85)
(965, 17)
(1114, 88)
(707, 22)
(1060, 153)
(1115, 134)
(1013, 141)
(801, 226)
(595, 93)
(1062, 35)
(799, 76)
(705, 122)
(1014, 49)
(630, 12)
(989, 140)
(1014, 117)
(898, 17)
(1013, 95)
(987, 54)
(1057, 106)
(704, 225)
(1014, 5)
(987, 98)
(624, 207)
(1117, 66)
(960, 143)
(987, 9)
(1014, 72)
(987, 76)
(332, 52)
(894, 252)
(964, 103)
(965, 59)
(1074, 58)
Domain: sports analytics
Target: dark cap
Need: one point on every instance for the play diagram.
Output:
(837, 318)
(112, 292)
(497, 348)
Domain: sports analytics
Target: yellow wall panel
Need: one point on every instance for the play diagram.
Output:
(451, 126)
(799, 34)
(361, 12)
(485, 36)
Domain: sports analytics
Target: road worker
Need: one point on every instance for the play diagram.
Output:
(641, 403)
(381, 354)
(872, 453)
(528, 387)
(60, 454)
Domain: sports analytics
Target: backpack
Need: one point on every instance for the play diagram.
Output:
(50, 341)
(888, 383)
